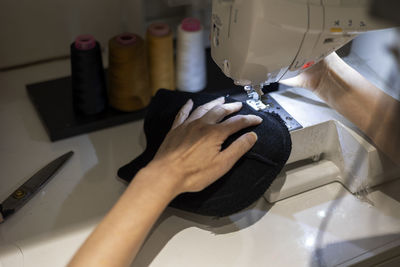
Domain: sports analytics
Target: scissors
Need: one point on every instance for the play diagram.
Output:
(26, 191)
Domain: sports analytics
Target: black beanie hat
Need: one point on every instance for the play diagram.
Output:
(245, 183)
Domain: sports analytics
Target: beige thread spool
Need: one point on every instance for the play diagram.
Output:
(128, 73)
(161, 57)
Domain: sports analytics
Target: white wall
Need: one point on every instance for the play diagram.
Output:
(33, 30)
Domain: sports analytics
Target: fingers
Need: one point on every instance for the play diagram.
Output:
(203, 109)
(218, 112)
(237, 149)
(239, 122)
(183, 114)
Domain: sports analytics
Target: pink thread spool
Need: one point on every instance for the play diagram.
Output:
(159, 29)
(127, 39)
(191, 25)
(85, 42)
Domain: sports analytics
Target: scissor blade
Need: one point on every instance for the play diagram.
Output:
(26, 191)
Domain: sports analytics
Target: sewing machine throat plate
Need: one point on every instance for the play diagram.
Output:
(268, 104)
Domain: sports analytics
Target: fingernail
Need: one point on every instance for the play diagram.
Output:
(259, 119)
(254, 135)
(190, 100)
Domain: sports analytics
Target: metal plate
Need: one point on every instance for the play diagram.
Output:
(269, 104)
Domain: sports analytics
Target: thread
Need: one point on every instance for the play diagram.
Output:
(191, 61)
(87, 73)
(128, 74)
(160, 57)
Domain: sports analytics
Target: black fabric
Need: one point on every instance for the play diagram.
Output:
(244, 183)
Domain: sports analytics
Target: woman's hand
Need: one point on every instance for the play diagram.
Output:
(189, 159)
(191, 151)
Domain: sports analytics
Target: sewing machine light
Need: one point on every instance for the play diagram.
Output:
(308, 64)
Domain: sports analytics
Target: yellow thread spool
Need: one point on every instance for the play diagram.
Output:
(161, 57)
(127, 73)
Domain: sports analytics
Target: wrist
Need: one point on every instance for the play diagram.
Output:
(329, 76)
(333, 83)
(162, 178)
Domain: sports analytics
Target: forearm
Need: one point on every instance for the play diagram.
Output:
(118, 238)
(369, 108)
(189, 159)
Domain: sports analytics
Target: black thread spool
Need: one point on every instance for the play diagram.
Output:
(88, 82)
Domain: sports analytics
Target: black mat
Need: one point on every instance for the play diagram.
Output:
(53, 103)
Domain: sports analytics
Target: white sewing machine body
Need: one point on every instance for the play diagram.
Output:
(256, 42)
(331, 152)
(261, 41)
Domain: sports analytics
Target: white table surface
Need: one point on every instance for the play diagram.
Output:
(325, 226)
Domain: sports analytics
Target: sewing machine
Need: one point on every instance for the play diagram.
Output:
(262, 41)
